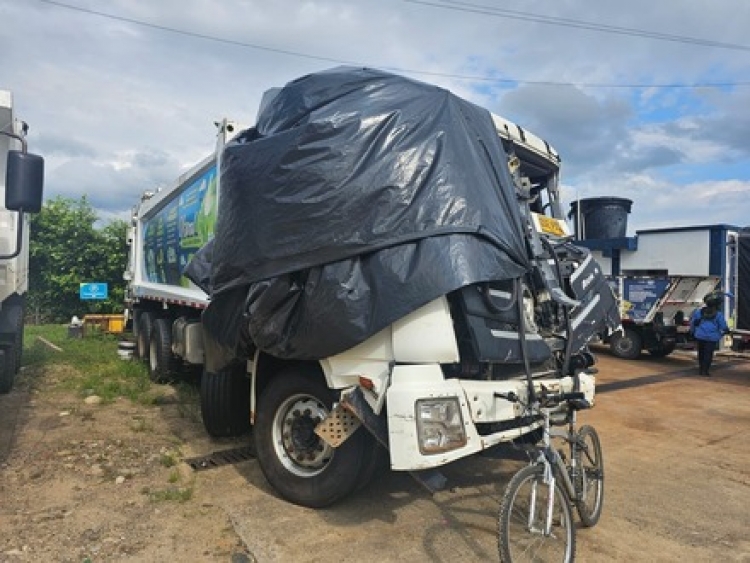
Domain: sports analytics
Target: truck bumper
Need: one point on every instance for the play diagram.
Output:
(433, 421)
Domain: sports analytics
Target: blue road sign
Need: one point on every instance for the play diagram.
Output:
(95, 290)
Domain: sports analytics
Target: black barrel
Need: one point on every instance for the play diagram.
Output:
(601, 217)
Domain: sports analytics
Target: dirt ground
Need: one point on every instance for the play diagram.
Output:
(90, 482)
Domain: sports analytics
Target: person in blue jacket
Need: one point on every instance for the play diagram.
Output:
(708, 326)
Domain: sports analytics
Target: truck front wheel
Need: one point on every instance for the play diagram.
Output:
(17, 316)
(296, 462)
(10, 361)
(7, 371)
(626, 344)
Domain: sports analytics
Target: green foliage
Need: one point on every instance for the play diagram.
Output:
(95, 368)
(67, 249)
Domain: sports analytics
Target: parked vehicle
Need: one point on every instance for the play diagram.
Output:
(655, 313)
(371, 270)
(741, 328)
(22, 178)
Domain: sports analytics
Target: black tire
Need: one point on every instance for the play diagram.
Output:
(377, 461)
(296, 462)
(10, 362)
(517, 541)
(18, 320)
(143, 337)
(15, 348)
(163, 365)
(225, 401)
(662, 351)
(626, 344)
(590, 480)
(7, 372)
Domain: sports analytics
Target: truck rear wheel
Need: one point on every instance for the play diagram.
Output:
(225, 401)
(297, 463)
(163, 365)
(626, 344)
(145, 322)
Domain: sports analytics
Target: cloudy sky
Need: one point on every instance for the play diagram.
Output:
(644, 100)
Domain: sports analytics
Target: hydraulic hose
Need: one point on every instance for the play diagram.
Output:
(522, 339)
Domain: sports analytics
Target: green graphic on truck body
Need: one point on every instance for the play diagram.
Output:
(179, 229)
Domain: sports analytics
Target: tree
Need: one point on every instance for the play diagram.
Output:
(67, 249)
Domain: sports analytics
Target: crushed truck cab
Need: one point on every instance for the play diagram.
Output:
(387, 274)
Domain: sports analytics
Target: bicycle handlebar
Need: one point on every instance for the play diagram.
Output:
(546, 398)
(575, 399)
(562, 397)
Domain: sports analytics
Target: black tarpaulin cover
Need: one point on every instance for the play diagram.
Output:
(743, 280)
(358, 197)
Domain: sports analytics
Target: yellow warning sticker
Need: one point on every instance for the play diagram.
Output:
(550, 226)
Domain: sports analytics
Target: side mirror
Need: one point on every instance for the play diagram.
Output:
(24, 182)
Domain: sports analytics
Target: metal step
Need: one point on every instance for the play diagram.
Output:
(221, 458)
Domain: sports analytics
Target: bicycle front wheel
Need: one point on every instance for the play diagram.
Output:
(589, 482)
(523, 520)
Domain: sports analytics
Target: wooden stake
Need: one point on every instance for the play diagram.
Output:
(49, 344)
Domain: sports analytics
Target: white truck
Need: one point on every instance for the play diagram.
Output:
(422, 388)
(655, 312)
(21, 179)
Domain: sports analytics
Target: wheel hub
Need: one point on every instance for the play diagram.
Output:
(302, 447)
(625, 345)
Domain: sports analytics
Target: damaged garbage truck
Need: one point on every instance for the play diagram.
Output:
(375, 269)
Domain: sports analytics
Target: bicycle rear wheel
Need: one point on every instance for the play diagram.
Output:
(589, 482)
(523, 513)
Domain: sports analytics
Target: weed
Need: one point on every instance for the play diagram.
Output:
(140, 424)
(174, 494)
(169, 458)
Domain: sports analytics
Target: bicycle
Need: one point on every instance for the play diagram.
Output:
(535, 522)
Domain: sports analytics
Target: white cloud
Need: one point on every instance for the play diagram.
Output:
(660, 203)
(118, 108)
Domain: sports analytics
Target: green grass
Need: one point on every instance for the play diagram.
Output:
(170, 458)
(173, 494)
(95, 367)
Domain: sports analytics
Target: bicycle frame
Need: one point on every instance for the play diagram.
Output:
(565, 482)
(554, 464)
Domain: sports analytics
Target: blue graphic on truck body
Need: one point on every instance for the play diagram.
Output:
(179, 229)
(641, 295)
